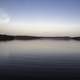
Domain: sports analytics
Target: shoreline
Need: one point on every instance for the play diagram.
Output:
(12, 37)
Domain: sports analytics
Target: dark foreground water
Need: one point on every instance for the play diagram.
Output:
(40, 59)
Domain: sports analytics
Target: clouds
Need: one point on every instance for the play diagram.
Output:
(4, 18)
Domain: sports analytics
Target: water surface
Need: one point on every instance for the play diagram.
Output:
(40, 58)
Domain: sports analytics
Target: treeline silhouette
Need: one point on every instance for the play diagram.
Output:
(4, 37)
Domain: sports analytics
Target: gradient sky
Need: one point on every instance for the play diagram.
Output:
(40, 17)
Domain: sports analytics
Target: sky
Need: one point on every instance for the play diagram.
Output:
(40, 17)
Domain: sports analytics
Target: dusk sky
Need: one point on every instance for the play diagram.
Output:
(40, 17)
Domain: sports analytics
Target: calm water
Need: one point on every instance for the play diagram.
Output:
(40, 58)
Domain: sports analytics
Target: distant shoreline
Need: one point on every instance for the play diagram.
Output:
(12, 37)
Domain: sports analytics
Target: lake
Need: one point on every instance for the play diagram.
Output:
(40, 59)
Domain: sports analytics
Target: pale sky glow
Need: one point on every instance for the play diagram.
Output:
(40, 17)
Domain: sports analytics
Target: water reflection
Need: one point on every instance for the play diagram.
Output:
(39, 47)
(40, 51)
(40, 57)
